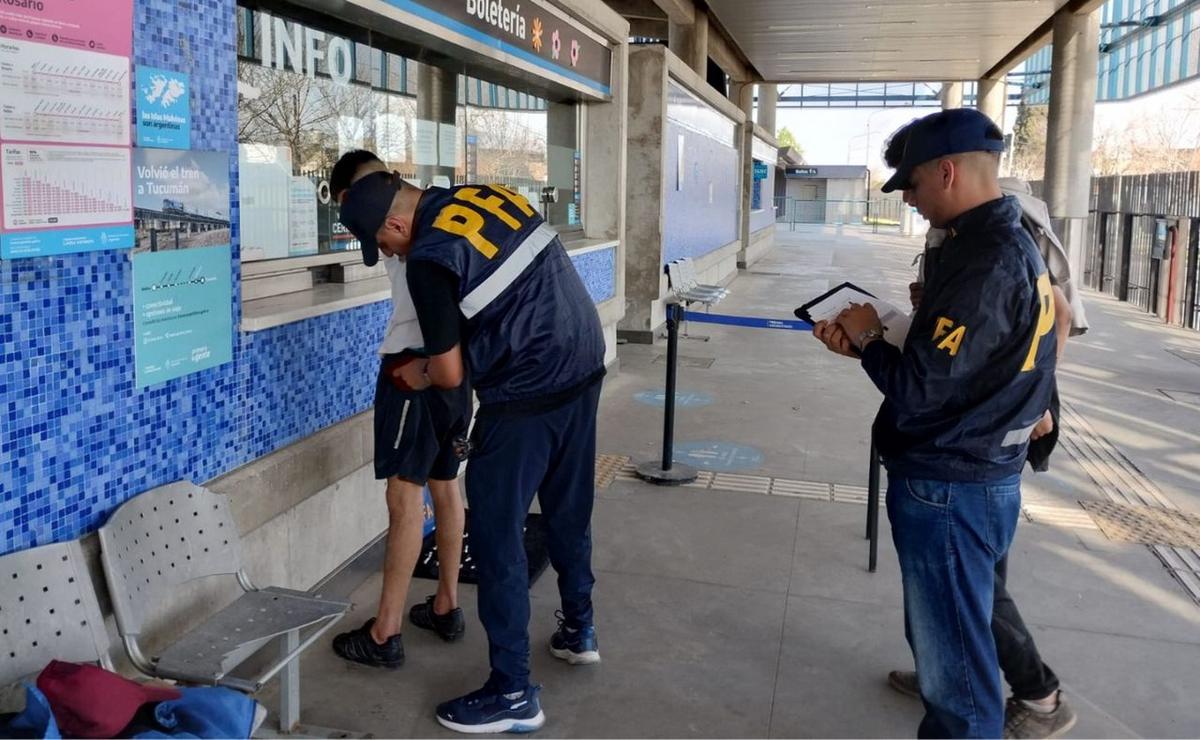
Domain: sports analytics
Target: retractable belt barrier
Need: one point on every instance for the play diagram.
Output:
(667, 472)
(753, 322)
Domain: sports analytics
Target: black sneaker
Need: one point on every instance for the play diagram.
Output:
(449, 626)
(359, 647)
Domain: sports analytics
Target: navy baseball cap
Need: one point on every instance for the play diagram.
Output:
(942, 134)
(365, 208)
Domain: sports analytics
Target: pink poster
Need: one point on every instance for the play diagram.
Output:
(93, 25)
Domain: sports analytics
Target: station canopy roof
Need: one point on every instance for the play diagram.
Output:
(852, 40)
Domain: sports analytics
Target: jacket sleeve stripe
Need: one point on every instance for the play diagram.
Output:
(508, 271)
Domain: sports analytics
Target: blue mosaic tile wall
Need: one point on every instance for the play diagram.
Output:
(76, 437)
(599, 272)
(693, 226)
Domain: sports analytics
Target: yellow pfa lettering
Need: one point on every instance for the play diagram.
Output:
(953, 336)
(492, 204)
(943, 327)
(462, 221)
(952, 342)
(516, 199)
(1045, 322)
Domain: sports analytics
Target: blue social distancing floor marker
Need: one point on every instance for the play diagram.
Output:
(722, 457)
(683, 399)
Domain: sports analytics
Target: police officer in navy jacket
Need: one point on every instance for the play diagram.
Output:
(498, 297)
(960, 403)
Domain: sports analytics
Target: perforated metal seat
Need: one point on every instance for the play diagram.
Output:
(48, 611)
(689, 277)
(164, 538)
(209, 652)
(681, 276)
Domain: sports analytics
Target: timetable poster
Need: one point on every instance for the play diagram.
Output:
(65, 172)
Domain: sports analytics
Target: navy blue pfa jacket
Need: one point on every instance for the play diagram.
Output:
(532, 329)
(977, 370)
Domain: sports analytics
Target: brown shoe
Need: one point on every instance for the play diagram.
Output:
(905, 682)
(1021, 722)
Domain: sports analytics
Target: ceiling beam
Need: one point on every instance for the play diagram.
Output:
(727, 54)
(648, 28)
(1083, 7)
(682, 12)
(1038, 38)
(643, 9)
(721, 47)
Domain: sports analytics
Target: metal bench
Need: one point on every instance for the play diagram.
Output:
(681, 276)
(48, 611)
(164, 538)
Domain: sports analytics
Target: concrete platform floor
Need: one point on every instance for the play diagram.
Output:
(727, 613)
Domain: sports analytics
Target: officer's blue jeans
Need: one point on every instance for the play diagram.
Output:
(949, 538)
(552, 454)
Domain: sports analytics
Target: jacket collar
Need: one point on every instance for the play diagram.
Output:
(1003, 211)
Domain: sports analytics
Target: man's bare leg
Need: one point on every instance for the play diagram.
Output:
(450, 515)
(406, 515)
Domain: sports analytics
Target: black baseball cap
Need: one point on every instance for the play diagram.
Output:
(365, 208)
(939, 135)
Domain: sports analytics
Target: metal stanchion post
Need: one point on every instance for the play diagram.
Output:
(873, 509)
(668, 472)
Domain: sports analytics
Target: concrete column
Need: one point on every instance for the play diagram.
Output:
(644, 195)
(604, 142)
(952, 95)
(746, 140)
(992, 99)
(1069, 128)
(768, 98)
(754, 244)
(437, 101)
(741, 94)
(698, 60)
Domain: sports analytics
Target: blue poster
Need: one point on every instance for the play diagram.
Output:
(182, 265)
(164, 108)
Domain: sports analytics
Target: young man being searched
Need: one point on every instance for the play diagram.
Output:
(495, 290)
(419, 438)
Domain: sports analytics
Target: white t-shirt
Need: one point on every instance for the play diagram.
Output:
(403, 331)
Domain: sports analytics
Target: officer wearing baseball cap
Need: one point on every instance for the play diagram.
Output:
(496, 292)
(960, 403)
(950, 132)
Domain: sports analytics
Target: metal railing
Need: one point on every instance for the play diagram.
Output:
(879, 214)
